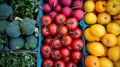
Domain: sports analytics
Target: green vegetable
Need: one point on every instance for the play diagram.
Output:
(3, 25)
(3, 40)
(13, 29)
(14, 59)
(5, 11)
(31, 42)
(1, 46)
(27, 26)
(17, 43)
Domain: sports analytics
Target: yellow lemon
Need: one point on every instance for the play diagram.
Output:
(116, 63)
(90, 18)
(89, 6)
(105, 62)
(114, 53)
(113, 28)
(109, 40)
(89, 37)
(118, 40)
(95, 48)
(97, 30)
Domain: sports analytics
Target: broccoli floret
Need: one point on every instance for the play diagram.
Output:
(33, 22)
(27, 26)
(31, 42)
(13, 29)
(17, 43)
(5, 11)
(3, 25)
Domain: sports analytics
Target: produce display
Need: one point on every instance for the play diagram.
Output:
(62, 43)
(102, 33)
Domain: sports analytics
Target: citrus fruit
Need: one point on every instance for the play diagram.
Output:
(89, 6)
(114, 53)
(97, 30)
(113, 28)
(104, 18)
(100, 6)
(95, 48)
(105, 62)
(116, 63)
(109, 40)
(105, 54)
(89, 37)
(92, 61)
(118, 40)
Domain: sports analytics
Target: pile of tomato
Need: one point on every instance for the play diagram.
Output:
(62, 43)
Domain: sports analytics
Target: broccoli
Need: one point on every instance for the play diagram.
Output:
(17, 43)
(3, 25)
(13, 29)
(3, 39)
(31, 42)
(27, 26)
(5, 11)
(1, 46)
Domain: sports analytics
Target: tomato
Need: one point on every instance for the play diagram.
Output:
(77, 44)
(67, 40)
(56, 43)
(77, 33)
(66, 59)
(71, 64)
(69, 47)
(56, 55)
(53, 28)
(60, 18)
(63, 30)
(59, 63)
(48, 40)
(46, 51)
(65, 52)
(45, 31)
(76, 55)
(46, 20)
(72, 23)
(47, 63)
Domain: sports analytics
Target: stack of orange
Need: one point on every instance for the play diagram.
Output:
(103, 35)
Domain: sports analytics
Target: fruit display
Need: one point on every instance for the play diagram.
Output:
(102, 33)
(62, 44)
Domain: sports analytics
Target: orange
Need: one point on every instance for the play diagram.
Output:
(100, 6)
(92, 61)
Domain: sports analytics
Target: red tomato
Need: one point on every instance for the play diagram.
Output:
(77, 33)
(71, 64)
(48, 40)
(53, 28)
(76, 55)
(45, 31)
(72, 23)
(77, 44)
(63, 30)
(69, 47)
(46, 20)
(59, 63)
(47, 63)
(60, 18)
(67, 40)
(56, 43)
(65, 52)
(56, 55)
(66, 59)
(46, 51)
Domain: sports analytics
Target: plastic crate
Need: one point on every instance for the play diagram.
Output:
(81, 24)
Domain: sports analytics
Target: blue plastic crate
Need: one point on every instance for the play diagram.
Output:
(81, 24)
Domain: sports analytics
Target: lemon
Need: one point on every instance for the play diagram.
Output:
(114, 53)
(109, 40)
(113, 28)
(105, 54)
(118, 40)
(116, 63)
(95, 48)
(90, 18)
(97, 30)
(89, 6)
(89, 37)
(105, 62)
